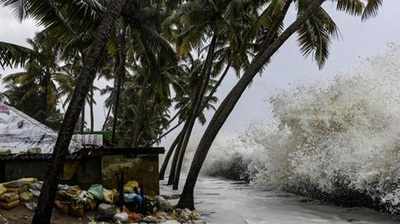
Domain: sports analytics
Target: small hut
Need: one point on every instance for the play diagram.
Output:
(26, 147)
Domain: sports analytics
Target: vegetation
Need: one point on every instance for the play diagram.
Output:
(166, 59)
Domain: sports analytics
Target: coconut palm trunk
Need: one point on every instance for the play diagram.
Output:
(85, 81)
(176, 141)
(226, 107)
(82, 124)
(91, 109)
(106, 118)
(45, 85)
(120, 72)
(168, 156)
(197, 103)
(175, 158)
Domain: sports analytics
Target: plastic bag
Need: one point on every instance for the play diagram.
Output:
(130, 186)
(97, 191)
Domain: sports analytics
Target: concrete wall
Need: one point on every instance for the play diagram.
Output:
(142, 168)
(18, 169)
(84, 173)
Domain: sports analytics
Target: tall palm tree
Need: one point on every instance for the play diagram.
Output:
(52, 15)
(200, 22)
(315, 29)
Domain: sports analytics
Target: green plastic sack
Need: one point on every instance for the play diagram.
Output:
(97, 191)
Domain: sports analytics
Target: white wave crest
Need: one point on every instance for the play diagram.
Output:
(336, 139)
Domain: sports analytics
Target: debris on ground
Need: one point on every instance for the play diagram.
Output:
(97, 204)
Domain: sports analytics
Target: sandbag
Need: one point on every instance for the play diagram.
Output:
(26, 196)
(20, 182)
(9, 197)
(2, 189)
(110, 196)
(9, 205)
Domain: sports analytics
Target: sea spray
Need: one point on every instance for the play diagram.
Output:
(340, 142)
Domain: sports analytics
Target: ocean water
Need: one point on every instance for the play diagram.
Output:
(222, 201)
(336, 139)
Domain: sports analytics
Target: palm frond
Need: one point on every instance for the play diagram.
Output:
(315, 36)
(371, 9)
(12, 55)
(352, 7)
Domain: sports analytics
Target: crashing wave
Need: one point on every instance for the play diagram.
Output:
(340, 142)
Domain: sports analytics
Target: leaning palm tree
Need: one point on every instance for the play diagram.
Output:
(315, 29)
(217, 24)
(50, 14)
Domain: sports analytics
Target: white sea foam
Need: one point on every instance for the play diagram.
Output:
(336, 138)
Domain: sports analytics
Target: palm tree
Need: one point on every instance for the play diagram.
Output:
(218, 21)
(42, 72)
(315, 29)
(44, 12)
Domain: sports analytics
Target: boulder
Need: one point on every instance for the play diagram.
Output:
(121, 217)
(163, 204)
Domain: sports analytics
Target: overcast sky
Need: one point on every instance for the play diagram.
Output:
(288, 67)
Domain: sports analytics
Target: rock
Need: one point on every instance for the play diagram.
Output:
(163, 216)
(163, 204)
(194, 215)
(150, 219)
(107, 209)
(134, 217)
(122, 217)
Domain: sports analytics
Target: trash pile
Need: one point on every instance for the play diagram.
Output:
(99, 204)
